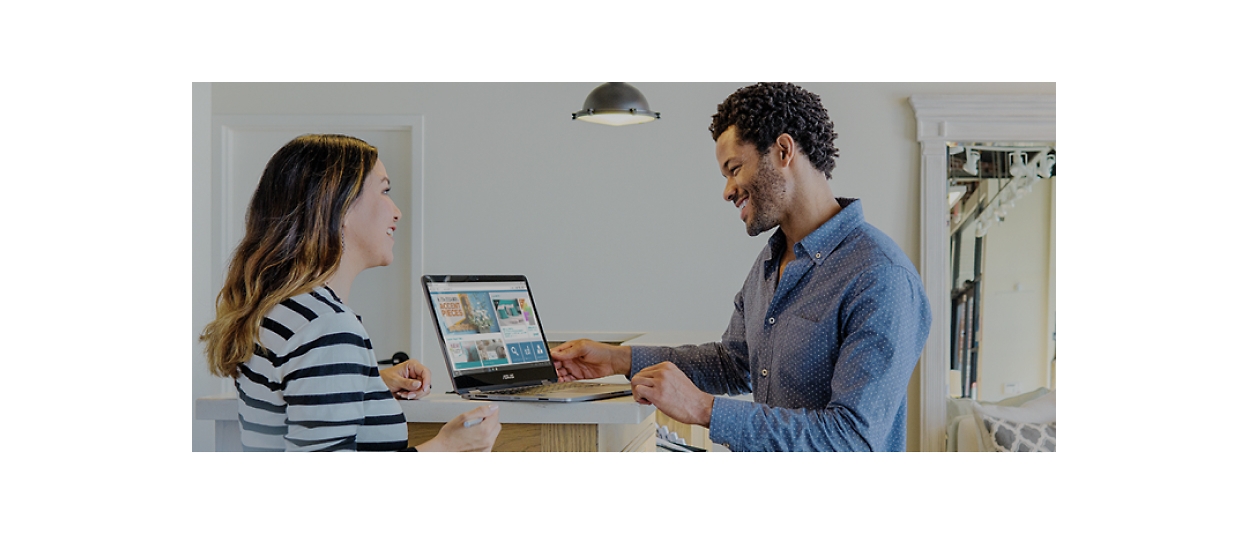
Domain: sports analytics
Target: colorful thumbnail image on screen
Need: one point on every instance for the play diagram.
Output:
(469, 354)
(514, 312)
(483, 353)
(466, 313)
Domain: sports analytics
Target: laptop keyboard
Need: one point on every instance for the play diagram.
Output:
(543, 389)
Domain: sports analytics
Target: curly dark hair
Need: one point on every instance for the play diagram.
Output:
(761, 112)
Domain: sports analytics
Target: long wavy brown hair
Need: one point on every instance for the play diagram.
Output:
(293, 240)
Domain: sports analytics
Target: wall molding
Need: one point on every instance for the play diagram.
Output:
(940, 120)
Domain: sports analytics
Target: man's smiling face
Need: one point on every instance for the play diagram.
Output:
(753, 185)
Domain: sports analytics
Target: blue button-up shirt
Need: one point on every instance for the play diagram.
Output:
(827, 350)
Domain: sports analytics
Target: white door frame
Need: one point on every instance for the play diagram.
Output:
(939, 120)
(223, 126)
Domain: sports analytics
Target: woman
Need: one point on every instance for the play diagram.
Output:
(303, 365)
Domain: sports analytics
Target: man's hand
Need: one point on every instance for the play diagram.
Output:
(587, 359)
(670, 390)
(407, 380)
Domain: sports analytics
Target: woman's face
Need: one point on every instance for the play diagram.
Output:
(371, 221)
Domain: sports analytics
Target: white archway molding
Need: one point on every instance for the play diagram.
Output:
(939, 120)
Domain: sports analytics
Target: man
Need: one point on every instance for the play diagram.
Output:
(832, 317)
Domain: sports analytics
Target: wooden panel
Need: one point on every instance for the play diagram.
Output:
(643, 439)
(627, 437)
(519, 437)
(569, 437)
(418, 433)
(524, 437)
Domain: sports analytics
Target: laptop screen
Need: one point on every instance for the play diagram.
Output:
(489, 330)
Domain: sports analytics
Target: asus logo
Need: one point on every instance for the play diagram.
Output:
(509, 376)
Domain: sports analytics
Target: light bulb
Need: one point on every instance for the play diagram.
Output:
(972, 163)
(1046, 169)
(1019, 166)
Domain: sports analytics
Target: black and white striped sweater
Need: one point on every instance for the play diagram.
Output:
(312, 383)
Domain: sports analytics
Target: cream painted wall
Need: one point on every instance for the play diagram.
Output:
(1051, 330)
(1016, 298)
(618, 229)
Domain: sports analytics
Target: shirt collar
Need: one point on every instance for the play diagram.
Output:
(818, 245)
(333, 295)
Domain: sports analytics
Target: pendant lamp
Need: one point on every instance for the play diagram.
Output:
(616, 104)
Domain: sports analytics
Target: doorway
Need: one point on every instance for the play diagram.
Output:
(243, 144)
(1001, 218)
(940, 120)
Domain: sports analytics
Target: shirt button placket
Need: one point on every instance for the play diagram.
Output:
(764, 387)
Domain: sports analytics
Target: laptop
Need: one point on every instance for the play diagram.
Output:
(493, 342)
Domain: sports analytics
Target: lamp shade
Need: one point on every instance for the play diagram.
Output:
(616, 104)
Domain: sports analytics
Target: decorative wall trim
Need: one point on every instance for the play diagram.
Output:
(939, 120)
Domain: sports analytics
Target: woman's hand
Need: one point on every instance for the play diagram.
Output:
(477, 437)
(407, 380)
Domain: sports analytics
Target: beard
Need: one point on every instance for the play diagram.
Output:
(765, 197)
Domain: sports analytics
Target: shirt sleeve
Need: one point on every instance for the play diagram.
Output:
(325, 380)
(884, 325)
(716, 368)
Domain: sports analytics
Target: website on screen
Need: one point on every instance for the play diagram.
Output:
(487, 326)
